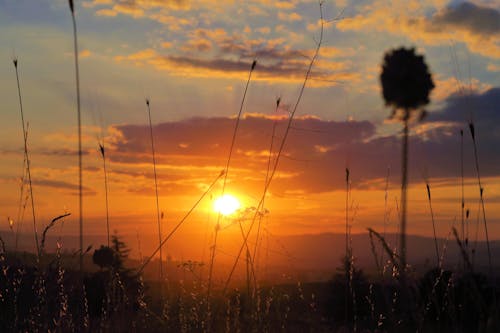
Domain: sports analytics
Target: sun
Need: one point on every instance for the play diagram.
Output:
(226, 204)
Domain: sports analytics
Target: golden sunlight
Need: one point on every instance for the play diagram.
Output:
(226, 204)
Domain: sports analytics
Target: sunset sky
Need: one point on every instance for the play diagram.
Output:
(192, 60)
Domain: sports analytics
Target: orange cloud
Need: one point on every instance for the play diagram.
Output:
(284, 4)
(283, 71)
(289, 17)
(451, 86)
(106, 12)
(200, 45)
(411, 22)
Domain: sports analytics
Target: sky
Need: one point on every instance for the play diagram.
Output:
(192, 59)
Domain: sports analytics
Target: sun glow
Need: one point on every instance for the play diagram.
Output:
(226, 204)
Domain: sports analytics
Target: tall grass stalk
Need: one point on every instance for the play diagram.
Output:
(80, 155)
(347, 193)
(250, 266)
(156, 189)
(429, 198)
(281, 148)
(481, 197)
(21, 207)
(386, 213)
(48, 227)
(462, 184)
(269, 160)
(404, 192)
(395, 259)
(226, 171)
(103, 155)
(347, 259)
(26, 157)
(146, 262)
(463, 251)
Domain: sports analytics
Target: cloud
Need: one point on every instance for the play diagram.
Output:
(446, 87)
(473, 25)
(133, 7)
(62, 185)
(481, 108)
(232, 56)
(198, 48)
(479, 20)
(289, 17)
(317, 151)
(209, 136)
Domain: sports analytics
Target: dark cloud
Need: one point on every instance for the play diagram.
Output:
(317, 151)
(209, 137)
(480, 108)
(249, 49)
(59, 152)
(232, 57)
(480, 20)
(270, 67)
(62, 152)
(59, 184)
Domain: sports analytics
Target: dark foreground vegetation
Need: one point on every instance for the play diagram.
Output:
(48, 295)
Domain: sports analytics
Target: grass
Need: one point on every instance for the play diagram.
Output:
(281, 147)
(429, 199)
(156, 189)
(481, 191)
(26, 159)
(226, 171)
(79, 123)
(103, 155)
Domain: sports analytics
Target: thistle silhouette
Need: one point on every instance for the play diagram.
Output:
(406, 84)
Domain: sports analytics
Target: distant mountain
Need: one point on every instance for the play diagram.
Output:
(308, 257)
(322, 253)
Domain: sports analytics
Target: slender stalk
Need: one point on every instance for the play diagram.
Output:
(146, 262)
(386, 197)
(433, 223)
(226, 171)
(267, 177)
(156, 189)
(80, 178)
(280, 150)
(20, 209)
(48, 227)
(481, 190)
(26, 157)
(347, 260)
(462, 184)
(404, 190)
(250, 264)
(347, 192)
(394, 258)
(103, 154)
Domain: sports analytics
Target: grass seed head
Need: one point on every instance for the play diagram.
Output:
(71, 6)
(406, 81)
(101, 148)
(472, 131)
